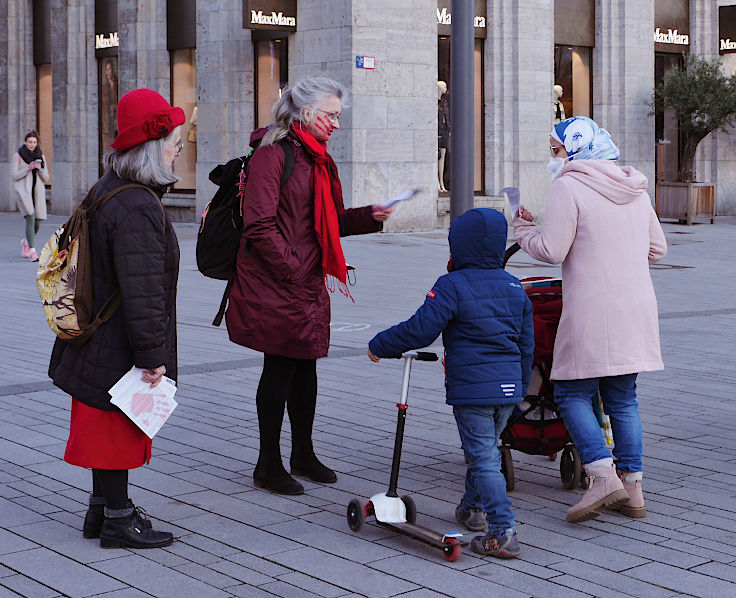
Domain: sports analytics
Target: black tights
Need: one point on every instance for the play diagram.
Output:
(112, 485)
(292, 383)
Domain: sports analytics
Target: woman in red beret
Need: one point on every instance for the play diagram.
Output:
(134, 249)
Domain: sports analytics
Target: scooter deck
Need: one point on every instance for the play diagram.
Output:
(420, 533)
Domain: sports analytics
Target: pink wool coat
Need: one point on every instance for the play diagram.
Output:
(600, 225)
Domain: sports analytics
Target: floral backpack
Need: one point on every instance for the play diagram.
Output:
(64, 276)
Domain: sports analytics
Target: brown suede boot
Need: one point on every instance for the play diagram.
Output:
(605, 490)
(634, 507)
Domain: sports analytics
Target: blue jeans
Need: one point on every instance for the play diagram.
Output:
(485, 486)
(573, 398)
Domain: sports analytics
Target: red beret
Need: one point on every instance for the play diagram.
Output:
(144, 114)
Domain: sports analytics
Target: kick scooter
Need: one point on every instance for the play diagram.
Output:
(390, 511)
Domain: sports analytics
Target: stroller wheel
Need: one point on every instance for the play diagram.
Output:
(507, 468)
(571, 467)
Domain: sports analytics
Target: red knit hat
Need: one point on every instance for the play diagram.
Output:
(144, 114)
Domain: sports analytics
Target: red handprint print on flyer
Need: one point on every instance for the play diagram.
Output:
(148, 408)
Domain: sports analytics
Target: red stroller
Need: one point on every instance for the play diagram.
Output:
(536, 428)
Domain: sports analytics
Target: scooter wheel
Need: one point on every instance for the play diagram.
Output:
(451, 549)
(356, 515)
(411, 509)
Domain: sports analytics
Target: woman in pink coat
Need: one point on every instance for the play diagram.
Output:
(600, 225)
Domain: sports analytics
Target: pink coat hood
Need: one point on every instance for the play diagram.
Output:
(619, 184)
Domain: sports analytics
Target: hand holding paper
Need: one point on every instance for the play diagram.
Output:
(514, 196)
(402, 197)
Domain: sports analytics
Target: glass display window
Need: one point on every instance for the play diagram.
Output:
(572, 94)
(108, 104)
(444, 126)
(43, 113)
(184, 95)
(271, 74)
(666, 127)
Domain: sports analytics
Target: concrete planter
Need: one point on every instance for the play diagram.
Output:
(685, 201)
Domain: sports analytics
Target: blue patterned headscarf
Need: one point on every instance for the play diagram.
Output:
(585, 140)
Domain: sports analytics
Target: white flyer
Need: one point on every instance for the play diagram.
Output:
(148, 408)
(514, 196)
(406, 195)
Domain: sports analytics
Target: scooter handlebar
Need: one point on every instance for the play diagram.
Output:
(418, 355)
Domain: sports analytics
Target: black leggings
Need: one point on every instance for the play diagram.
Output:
(112, 485)
(292, 383)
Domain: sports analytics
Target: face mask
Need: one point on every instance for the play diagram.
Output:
(555, 166)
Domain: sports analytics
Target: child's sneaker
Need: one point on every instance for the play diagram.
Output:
(33, 255)
(25, 250)
(505, 546)
(473, 519)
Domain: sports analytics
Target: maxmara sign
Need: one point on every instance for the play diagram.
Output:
(444, 17)
(257, 17)
(109, 40)
(278, 15)
(671, 36)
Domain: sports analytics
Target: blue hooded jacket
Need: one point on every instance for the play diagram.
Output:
(483, 314)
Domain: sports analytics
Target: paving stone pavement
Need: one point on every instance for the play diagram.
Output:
(235, 540)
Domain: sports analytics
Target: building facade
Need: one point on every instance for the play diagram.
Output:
(65, 63)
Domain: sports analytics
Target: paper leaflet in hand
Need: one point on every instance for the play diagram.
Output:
(402, 197)
(148, 408)
(514, 196)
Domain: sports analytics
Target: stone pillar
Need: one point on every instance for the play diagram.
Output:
(519, 76)
(725, 158)
(225, 89)
(74, 118)
(387, 141)
(17, 88)
(143, 59)
(623, 80)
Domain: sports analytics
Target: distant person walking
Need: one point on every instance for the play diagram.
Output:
(134, 249)
(30, 172)
(600, 225)
(289, 256)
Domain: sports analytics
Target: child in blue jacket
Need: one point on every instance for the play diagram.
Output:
(485, 319)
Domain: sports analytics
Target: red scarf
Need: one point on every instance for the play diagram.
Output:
(326, 188)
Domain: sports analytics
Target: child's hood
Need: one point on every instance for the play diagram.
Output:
(478, 239)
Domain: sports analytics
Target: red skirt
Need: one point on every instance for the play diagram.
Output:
(105, 439)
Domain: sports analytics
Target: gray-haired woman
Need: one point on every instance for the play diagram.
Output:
(279, 303)
(134, 249)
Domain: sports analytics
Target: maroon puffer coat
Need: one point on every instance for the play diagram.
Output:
(278, 303)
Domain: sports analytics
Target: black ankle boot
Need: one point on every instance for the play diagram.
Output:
(311, 468)
(93, 521)
(276, 480)
(95, 517)
(132, 531)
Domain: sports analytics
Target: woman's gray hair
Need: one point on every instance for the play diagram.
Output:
(308, 93)
(143, 163)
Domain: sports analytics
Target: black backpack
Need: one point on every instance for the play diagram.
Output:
(221, 229)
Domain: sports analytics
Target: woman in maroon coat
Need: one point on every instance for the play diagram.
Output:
(289, 256)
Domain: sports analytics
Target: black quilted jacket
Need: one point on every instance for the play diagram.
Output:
(134, 247)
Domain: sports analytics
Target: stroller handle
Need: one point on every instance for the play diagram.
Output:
(509, 252)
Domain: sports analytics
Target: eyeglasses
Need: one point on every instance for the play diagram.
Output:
(179, 147)
(334, 117)
(555, 149)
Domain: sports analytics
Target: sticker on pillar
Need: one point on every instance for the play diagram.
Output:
(365, 62)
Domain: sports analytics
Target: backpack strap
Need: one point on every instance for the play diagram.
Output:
(285, 174)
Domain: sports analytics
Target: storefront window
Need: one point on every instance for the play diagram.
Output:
(108, 77)
(43, 113)
(444, 130)
(272, 75)
(184, 95)
(666, 126)
(573, 89)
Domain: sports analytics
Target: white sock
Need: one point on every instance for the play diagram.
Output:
(598, 466)
(632, 476)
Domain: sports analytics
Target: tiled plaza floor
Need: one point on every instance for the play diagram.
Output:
(235, 540)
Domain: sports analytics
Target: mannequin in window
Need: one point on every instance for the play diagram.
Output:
(443, 131)
(558, 110)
